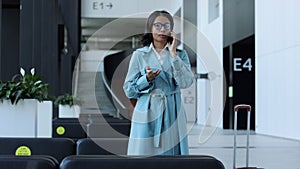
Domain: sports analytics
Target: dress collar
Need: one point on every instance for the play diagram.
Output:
(152, 47)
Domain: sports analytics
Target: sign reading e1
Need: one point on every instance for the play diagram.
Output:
(239, 64)
(102, 5)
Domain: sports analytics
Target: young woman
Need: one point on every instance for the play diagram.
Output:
(155, 75)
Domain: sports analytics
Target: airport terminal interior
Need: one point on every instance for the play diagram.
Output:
(72, 57)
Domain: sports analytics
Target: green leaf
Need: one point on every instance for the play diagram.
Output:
(16, 77)
(18, 95)
(37, 82)
(8, 94)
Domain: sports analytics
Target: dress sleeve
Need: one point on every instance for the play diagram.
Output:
(182, 72)
(136, 82)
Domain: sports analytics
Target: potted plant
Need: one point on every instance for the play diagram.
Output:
(68, 106)
(25, 108)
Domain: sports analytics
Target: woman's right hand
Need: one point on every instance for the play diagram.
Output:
(151, 74)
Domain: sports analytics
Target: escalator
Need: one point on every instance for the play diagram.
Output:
(113, 76)
(116, 124)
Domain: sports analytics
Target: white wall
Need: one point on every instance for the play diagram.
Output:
(277, 40)
(210, 93)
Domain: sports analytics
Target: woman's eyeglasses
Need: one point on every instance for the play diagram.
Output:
(158, 26)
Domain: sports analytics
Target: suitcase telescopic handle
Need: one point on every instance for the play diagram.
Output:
(236, 108)
(242, 106)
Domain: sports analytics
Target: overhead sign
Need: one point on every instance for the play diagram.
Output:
(121, 8)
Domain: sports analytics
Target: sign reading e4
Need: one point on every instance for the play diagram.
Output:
(239, 64)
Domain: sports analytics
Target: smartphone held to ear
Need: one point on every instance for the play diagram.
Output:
(170, 38)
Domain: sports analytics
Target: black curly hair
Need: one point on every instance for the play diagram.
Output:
(147, 37)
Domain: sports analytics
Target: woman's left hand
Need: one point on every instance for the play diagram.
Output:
(172, 45)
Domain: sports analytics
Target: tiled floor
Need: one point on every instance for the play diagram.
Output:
(265, 151)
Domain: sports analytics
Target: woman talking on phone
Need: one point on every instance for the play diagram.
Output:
(155, 76)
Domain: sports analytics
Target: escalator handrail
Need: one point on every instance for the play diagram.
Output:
(111, 92)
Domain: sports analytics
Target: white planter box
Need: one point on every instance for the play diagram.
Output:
(65, 111)
(29, 118)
